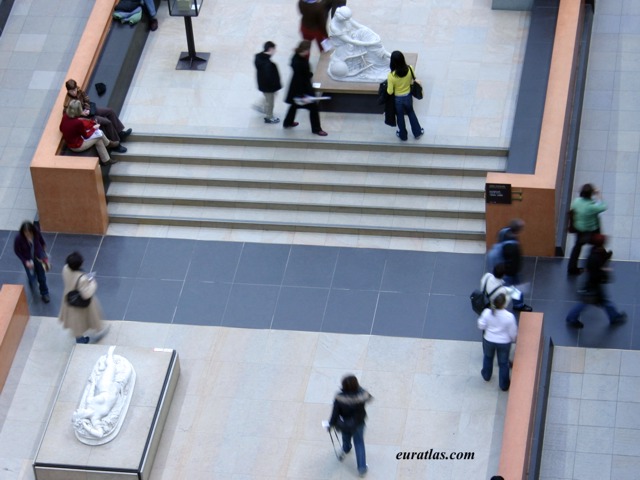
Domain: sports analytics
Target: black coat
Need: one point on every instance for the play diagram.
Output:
(301, 80)
(268, 75)
(389, 102)
(348, 408)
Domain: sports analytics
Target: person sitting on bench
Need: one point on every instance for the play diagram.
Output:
(81, 134)
(108, 120)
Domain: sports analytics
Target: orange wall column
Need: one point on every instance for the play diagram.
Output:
(541, 191)
(14, 315)
(69, 191)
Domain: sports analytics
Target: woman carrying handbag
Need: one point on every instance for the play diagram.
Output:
(85, 322)
(399, 83)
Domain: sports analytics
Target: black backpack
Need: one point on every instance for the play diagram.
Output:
(480, 299)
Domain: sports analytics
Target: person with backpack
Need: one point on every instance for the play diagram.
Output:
(508, 252)
(348, 416)
(499, 331)
(492, 284)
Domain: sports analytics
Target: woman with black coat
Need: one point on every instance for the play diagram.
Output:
(300, 87)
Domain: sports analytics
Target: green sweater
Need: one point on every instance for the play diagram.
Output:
(585, 213)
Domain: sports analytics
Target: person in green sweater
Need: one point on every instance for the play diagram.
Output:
(584, 210)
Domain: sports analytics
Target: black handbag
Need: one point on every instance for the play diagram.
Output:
(74, 299)
(416, 88)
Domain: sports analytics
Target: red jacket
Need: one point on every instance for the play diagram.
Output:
(74, 131)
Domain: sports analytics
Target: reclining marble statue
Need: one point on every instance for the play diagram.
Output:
(105, 400)
(358, 54)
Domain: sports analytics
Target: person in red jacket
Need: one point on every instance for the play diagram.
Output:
(106, 117)
(82, 134)
(315, 14)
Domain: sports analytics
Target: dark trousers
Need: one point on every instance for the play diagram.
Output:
(109, 122)
(582, 238)
(314, 116)
(37, 274)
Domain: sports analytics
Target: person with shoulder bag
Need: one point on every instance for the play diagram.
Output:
(348, 416)
(499, 331)
(81, 311)
(399, 82)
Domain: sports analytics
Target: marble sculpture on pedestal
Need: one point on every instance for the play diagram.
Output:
(358, 55)
(105, 400)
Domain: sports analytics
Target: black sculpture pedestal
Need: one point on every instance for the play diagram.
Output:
(192, 60)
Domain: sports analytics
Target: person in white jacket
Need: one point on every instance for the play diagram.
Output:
(84, 322)
(499, 331)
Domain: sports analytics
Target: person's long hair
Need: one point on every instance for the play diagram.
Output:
(398, 64)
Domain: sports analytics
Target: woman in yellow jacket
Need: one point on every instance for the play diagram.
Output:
(399, 84)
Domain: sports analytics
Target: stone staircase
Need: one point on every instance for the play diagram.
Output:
(405, 190)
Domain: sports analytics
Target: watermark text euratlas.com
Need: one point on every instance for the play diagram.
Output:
(435, 455)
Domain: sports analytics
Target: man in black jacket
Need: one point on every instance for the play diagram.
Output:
(268, 80)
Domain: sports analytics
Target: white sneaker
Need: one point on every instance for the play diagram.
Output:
(364, 472)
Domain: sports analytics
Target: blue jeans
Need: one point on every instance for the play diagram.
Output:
(151, 7)
(38, 275)
(605, 303)
(404, 106)
(358, 443)
(502, 349)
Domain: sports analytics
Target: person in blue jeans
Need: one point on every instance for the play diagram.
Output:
(593, 292)
(30, 247)
(499, 331)
(399, 83)
(349, 416)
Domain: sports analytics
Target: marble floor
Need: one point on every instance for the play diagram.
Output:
(249, 403)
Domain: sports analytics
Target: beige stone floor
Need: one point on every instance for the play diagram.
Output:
(469, 60)
(249, 403)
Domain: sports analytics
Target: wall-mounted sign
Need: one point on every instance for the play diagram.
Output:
(497, 193)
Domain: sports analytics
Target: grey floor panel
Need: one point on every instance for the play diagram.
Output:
(350, 311)
(400, 314)
(262, 264)
(311, 266)
(300, 308)
(250, 306)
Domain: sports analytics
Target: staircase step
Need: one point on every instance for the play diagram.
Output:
(221, 197)
(306, 179)
(299, 221)
(300, 187)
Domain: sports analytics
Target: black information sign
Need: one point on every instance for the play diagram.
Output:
(497, 193)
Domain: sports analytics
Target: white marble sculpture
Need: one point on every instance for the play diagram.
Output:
(359, 55)
(105, 400)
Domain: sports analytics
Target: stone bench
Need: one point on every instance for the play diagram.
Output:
(14, 314)
(519, 419)
(108, 52)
